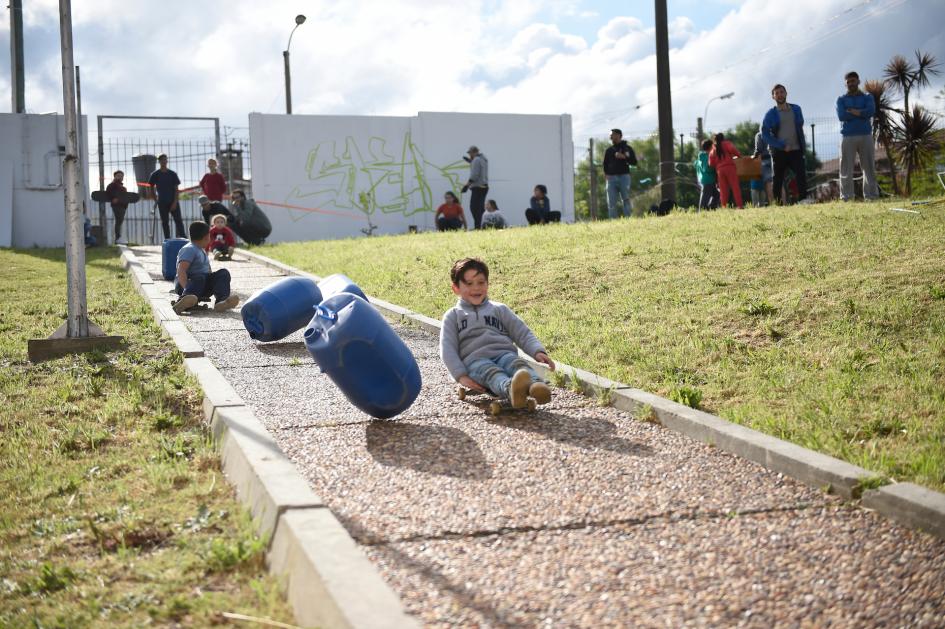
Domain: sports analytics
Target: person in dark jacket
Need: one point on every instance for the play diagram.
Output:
(855, 109)
(249, 222)
(783, 130)
(618, 159)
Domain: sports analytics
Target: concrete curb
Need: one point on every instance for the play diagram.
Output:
(265, 479)
(911, 505)
(330, 582)
(908, 504)
(328, 575)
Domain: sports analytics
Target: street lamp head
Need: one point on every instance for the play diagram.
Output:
(299, 19)
(729, 95)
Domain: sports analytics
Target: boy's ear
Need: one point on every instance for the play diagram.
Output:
(455, 289)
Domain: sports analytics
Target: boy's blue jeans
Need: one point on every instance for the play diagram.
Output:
(203, 286)
(496, 373)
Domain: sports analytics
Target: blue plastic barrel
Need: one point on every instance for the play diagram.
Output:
(338, 283)
(281, 308)
(169, 251)
(356, 347)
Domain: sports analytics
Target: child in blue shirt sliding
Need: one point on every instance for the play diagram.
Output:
(194, 281)
(479, 337)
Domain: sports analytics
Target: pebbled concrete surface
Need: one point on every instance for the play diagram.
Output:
(573, 516)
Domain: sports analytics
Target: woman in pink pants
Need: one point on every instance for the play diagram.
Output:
(722, 158)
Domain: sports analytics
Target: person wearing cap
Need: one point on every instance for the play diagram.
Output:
(212, 208)
(478, 183)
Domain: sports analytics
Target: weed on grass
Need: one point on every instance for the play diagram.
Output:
(103, 460)
(689, 396)
(605, 396)
(557, 379)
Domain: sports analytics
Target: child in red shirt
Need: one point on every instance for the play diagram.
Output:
(722, 158)
(222, 239)
(213, 184)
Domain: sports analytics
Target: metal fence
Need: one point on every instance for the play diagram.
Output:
(137, 158)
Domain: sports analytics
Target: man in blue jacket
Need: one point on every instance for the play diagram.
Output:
(783, 130)
(855, 110)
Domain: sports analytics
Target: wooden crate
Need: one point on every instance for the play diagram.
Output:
(748, 168)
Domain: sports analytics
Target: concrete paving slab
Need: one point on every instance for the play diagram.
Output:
(450, 473)
(200, 321)
(818, 567)
(813, 468)
(231, 351)
(285, 397)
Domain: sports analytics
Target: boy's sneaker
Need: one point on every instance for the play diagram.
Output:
(185, 302)
(226, 304)
(541, 392)
(518, 388)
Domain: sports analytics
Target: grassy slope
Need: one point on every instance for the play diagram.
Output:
(823, 325)
(113, 510)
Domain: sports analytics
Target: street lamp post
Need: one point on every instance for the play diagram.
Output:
(299, 20)
(705, 114)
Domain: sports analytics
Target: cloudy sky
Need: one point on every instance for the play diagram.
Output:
(593, 59)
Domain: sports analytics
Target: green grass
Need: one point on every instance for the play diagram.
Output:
(114, 511)
(823, 325)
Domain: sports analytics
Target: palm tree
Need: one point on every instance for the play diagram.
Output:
(914, 136)
(916, 141)
(902, 76)
(883, 125)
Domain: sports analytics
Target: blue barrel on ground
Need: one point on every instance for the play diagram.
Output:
(356, 347)
(278, 310)
(169, 251)
(338, 283)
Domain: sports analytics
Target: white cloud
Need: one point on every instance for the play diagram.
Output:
(397, 58)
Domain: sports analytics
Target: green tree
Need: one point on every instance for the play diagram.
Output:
(883, 125)
(914, 137)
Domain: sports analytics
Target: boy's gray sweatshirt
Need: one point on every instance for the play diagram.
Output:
(484, 331)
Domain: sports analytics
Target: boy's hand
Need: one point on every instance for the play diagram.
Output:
(542, 357)
(469, 383)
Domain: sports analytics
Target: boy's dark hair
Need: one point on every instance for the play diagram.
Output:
(851, 75)
(776, 86)
(162, 156)
(543, 188)
(706, 145)
(466, 264)
(198, 229)
(118, 172)
(494, 204)
(617, 131)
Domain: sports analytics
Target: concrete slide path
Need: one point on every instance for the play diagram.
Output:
(574, 516)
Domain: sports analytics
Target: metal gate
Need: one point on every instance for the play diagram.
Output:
(136, 156)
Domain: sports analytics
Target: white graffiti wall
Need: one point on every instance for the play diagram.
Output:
(320, 177)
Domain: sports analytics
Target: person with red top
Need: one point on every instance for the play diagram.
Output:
(722, 158)
(450, 215)
(222, 240)
(213, 184)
